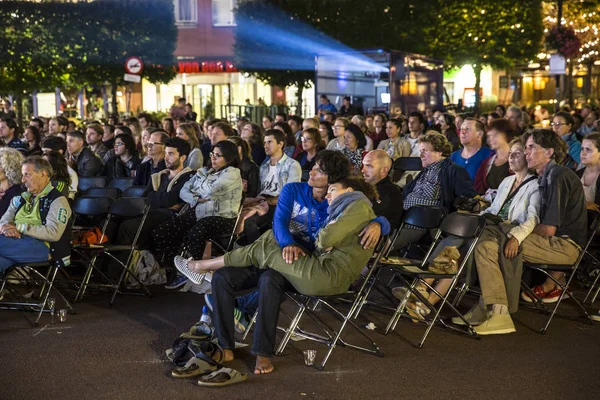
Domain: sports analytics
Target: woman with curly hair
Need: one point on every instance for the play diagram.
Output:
(10, 176)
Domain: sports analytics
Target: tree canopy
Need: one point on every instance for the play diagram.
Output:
(54, 44)
(500, 34)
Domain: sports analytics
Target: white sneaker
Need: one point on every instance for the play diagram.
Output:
(498, 324)
(596, 317)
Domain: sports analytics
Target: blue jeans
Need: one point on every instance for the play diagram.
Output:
(26, 249)
(271, 289)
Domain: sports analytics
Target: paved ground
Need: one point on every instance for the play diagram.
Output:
(104, 353)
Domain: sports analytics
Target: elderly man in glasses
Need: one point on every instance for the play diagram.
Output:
(156, 163)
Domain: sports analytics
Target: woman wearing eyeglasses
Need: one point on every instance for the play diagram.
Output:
(562, 124)
(213, 198)
(125, 161)
(312, 144)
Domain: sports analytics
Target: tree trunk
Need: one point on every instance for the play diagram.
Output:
(569, 84)
(18, 105)
(299, 99)
(114, 98)
(477, 70)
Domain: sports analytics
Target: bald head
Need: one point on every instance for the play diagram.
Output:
(376, 166)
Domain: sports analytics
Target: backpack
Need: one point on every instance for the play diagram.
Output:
(91, 236)
(145, 267)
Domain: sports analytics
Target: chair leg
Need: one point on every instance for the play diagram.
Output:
(252, 322)
(290, 330)
(86, 279)
(591, 289)
(46, 294)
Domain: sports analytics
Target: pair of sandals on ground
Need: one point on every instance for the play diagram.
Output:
(197, 354)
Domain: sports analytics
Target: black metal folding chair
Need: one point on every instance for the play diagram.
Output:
(546, 269)
(96, 208)
(309, 305)
(134, 191)
(86, 183)
(467, 227)
(126, 207)
(112, 193)
(403, 164)
(421, 217)
(41, 282)
(121, 183)
(224, 243)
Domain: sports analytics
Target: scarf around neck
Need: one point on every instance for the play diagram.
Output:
(337, 206)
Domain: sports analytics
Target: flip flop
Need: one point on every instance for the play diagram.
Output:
(222, 377)
(182, 265)
(200, 331)
(193, 367)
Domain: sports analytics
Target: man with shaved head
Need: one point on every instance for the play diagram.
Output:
(377, 164)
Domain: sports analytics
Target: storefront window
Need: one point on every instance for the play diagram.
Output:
(222, 12)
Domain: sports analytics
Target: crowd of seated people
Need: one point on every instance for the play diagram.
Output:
(312, 194)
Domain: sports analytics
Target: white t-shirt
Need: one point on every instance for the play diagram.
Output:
(74, 183)
(270, 186)
(414, 147)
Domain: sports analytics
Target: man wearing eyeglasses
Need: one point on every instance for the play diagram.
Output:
(472, 154)
(156, 163)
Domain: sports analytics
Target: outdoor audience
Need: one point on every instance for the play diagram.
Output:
(305, 223)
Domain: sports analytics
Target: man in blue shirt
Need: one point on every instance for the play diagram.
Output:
(472, 154)
(325, 107)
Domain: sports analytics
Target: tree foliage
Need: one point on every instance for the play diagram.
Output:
(500, 34)
(73, 44)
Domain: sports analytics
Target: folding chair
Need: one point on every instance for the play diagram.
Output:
(467, 227)
(422, 217)
(228, 238)
(112, 193)
(126, 207)
(86, 183)
(46, 282)
(546, 269)
(96, 208)
(121, 183)
(134, 191)
(309, 305)
(403, 164)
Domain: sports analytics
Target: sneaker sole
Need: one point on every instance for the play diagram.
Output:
(180, 284)
(497, 332)
(458, 321)
(554, 299)
(181, 265)
(595, 317)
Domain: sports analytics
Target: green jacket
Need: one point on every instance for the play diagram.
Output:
(347, 258)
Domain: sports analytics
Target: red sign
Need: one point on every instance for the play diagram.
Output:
(204, 67)
(134, 65)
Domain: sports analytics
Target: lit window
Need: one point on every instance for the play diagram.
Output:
(186, 12)
(222, 12)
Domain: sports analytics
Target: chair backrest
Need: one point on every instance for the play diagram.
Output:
(92, 206)
(408, 164)
(121, 183)
(86, 183)
(466, 226)
(426, 217)
(134, 191)
(130, 207)
(110, 192)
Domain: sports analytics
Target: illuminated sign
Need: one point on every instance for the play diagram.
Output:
(205, 67)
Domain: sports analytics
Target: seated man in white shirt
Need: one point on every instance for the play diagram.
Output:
(277, 170)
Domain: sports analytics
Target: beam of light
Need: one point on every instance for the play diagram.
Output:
(286, 43)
